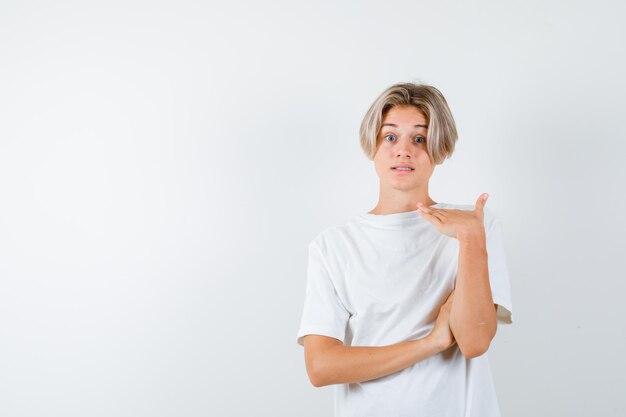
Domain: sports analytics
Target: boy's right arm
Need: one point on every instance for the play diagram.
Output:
(328, 361)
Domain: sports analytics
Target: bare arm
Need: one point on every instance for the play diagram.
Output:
(472, 317)
(328, 361)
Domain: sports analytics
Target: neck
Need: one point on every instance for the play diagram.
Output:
(399, 201)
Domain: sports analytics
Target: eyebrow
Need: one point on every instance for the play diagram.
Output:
(391, 124)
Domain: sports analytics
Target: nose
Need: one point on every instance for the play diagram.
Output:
(403, 147)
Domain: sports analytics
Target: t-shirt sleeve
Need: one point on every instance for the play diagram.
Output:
(499, 273)
(324, 313)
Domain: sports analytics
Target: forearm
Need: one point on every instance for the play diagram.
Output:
(472, 316)
(349, 364)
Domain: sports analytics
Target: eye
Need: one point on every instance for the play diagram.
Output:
(420, 139)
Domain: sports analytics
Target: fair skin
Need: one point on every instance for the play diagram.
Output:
(402, 140)
(472, 314)
(467, 317)
(329, 362)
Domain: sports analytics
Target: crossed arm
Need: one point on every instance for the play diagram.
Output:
(472, 322)
(329, 362)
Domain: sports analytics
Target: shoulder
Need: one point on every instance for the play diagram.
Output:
(333, 238)
(328, 235)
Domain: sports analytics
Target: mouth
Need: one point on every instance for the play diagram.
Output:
(403, 170)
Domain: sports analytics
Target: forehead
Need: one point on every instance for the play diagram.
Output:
(405, 116)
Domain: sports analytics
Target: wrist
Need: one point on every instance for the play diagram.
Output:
(434, 344)
(471, 236)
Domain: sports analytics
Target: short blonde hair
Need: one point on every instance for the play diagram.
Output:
(441, 133)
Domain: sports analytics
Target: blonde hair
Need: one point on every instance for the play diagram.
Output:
(441, 133)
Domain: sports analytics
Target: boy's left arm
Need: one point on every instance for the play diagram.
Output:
(472, 315)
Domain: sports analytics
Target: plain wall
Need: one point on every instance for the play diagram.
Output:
(164, 165)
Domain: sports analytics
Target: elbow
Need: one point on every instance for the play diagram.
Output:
(319, 362)
(475, 350)
(476, 346)
(317, 380)
(316, 377)
(470, 353)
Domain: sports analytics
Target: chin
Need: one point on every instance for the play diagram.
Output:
(403, 187)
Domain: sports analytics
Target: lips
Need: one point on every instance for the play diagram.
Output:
(402, 172)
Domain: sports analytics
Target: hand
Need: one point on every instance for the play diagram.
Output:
(441, 334)
(453, 222)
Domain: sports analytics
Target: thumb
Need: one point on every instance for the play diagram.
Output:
(482, 200)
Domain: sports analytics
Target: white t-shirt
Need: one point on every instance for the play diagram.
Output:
(380, 280)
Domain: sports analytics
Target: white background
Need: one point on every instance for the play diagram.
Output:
(164, 165)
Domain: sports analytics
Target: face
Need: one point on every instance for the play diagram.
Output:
(402, 141)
